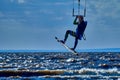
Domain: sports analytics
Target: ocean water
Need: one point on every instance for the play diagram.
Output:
(59, 65)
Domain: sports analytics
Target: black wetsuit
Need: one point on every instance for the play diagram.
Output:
(80, 29)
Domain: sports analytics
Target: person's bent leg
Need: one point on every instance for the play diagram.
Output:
(66, 35)
(72, 33)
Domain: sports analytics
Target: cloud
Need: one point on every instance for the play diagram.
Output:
(105, 8)
(59, 18)
(21, 1)
(18, 1)
(11, 0)
(103, 11)
(58, 3)
(27, 12)
(46, 11)
(1, 14)
(61, 3)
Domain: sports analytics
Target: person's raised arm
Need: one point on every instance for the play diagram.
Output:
(75, 21)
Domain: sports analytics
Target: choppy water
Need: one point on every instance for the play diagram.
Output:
(58, 65)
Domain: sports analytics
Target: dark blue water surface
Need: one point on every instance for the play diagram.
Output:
(59, 65)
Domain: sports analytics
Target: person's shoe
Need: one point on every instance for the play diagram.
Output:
(62, 41)
(72, 49)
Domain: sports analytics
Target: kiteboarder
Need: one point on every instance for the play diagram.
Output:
(78, 34)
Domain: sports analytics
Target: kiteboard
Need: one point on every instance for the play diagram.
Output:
(68, 48)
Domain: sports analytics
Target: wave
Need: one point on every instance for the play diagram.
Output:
(84, 72)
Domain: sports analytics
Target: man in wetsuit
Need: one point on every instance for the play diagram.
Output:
(81, 25)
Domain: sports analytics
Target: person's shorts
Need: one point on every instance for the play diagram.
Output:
(72, 33)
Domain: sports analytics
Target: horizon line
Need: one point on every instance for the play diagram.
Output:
(63, 50)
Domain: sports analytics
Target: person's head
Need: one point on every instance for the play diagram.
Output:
(81, 18)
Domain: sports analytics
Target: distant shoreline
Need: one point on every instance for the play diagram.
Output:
(78, 50)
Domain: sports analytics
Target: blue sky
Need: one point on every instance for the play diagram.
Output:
(32, 24)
